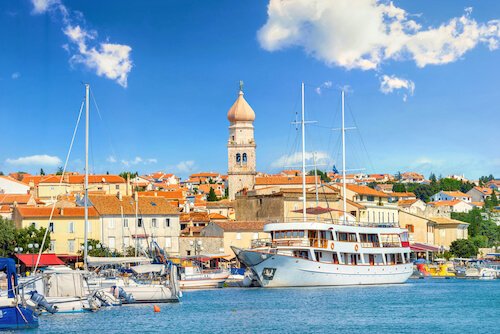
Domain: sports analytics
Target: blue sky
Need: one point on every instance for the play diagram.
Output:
(433, 104)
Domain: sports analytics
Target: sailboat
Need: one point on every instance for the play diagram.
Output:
(313, 253)
(13, 312)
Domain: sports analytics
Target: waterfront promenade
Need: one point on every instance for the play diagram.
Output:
(419, 306)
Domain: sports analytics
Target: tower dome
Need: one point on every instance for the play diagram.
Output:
(241, 110)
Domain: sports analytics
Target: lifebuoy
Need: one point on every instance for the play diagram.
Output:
(332, 246)
(356, 247)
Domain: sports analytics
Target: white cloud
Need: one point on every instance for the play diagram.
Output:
(35, 160)
(41, 6)
(326, 84)
(388, 84)
(362, 34)
(111, 159)
(295, 160)
(138, 160)
(15, 75)
(185, 166)
(107, 59)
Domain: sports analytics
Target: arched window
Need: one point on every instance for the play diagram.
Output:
(238, 158)
(244, 158)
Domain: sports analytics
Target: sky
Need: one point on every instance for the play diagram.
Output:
(421, 80)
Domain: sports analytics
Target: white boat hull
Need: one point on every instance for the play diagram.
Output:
(287, 271)
(202, 283)
(150, 293)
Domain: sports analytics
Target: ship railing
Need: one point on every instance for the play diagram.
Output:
(391, 244)
(258, 243)
(370, 244)
(336, 222)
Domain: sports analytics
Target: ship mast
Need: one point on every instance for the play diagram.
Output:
(304, 213)
(86, 190)
(343, 162)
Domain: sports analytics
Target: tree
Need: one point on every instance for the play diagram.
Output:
(398, 176)
(433, 178)
(42, 172)
(322, 175)
(128, 174)
(448, 184)
(482, 229)
(7, 236)
(31, 235)
(59, 171)
(398, 188)
(212, 197)
(226, 192)
(492, 201)
(1, 173)
(463, 248)
(98, 249)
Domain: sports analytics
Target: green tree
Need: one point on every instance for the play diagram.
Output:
(212, 197)
(480, 225)
(448, 184)
(31, 235)
(42, 172)
(463, 248)
(433, 178)
(398, 188)
(398, 176)
(492, 201)
(7, 236)
(226, 193)
(98, 249)
(59, 171)
(1, 173)
(322, 175)
(130, 174)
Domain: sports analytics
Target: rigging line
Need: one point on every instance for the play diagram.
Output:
(360, 136)
(60, 183)
(111, 141)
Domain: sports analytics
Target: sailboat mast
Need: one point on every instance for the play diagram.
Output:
(304, 214)
(86, 191)
(344, 197)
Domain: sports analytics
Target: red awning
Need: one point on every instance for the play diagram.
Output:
(423, 248)
(45, 260)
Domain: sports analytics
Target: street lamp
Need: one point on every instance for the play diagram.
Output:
(18, 250)
(32, 248)
(196, 244)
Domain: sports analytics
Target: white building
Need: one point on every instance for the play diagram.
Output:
(9, 185)
(450, 196)
(128, 221)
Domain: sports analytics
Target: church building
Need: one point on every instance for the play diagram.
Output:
(241, 169)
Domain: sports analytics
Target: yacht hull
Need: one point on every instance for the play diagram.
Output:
(274, 270)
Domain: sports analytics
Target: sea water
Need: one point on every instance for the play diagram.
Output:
(419, 306)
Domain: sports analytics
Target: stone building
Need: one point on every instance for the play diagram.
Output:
(241, 147)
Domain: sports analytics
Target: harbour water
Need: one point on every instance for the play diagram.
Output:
(418, 306)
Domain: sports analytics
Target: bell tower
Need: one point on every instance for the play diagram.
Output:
(241, 164)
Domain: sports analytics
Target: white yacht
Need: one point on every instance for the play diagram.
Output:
(331, 252)
(328, 253)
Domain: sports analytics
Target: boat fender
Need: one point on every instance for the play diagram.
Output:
(356, 247)
(40, 301)
(332, 246)
(156, 309)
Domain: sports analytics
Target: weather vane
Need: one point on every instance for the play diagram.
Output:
(241, 85)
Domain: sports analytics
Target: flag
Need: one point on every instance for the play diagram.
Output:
(335, 170)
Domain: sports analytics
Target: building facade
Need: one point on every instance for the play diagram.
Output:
(241, 147)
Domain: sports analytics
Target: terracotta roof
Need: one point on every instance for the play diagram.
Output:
(241, 226)
(444, 220)
(225, 203)
(194, 229)
(445, 203)
(204, 175)
(455, 194)
(79, 179)
(147, 205)
(484, 190)
(18, 198)
(195, 217)
(165, 194)
(364, 190)
(268, 180)
(31, 211)
(407, 202)
(215, 215)
(5, 209)
(401, 194)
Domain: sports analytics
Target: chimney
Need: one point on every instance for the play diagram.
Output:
(136, 196)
